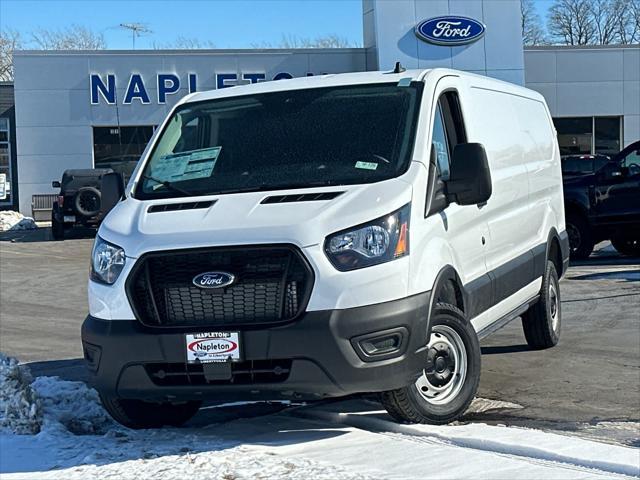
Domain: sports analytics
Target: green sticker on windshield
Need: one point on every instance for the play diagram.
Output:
(366, 165)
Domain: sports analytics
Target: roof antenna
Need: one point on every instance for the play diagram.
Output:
(399, 68)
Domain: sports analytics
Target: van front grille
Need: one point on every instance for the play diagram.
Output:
(272, 284)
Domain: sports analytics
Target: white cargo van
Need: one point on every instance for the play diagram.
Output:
(324, 236)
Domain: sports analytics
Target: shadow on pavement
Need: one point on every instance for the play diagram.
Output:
(43, 234)
(72, 369)
(505, 349)
(626, 275)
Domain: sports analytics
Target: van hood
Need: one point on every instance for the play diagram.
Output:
(242, 218)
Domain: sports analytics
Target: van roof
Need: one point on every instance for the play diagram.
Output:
(315, 81)
(357, 78)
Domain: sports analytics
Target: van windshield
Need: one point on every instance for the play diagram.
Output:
(290, 139)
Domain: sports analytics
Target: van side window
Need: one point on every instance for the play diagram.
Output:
(441, 144)
(453, 122)
(448, 131)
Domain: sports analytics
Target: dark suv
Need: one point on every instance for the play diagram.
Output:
(79, 200)
(602, 201)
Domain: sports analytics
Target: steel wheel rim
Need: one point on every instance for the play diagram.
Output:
(554, 307)
(438, 386)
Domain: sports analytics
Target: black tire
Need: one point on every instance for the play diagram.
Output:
(87, 202)
(138, 414)
(581, 240)
(409, 405)
(542, 323)
(57, 228)
(627, 246)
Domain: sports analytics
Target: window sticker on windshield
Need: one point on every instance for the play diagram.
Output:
(186, 165)
(367, 165)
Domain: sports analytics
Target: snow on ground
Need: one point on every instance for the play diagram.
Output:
(350, 439)
(13, 221)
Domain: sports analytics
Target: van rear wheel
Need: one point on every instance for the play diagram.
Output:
(450, 379)
(138, 414)
(543, 321)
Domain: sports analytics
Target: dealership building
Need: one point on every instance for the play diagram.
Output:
(85, 109)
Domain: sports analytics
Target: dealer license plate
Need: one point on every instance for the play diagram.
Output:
(208, 347)
(69, 218)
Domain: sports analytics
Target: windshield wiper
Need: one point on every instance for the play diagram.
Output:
(169, 185)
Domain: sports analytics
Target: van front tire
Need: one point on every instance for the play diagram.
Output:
(543, 321)
(450, 379)
(138, 414)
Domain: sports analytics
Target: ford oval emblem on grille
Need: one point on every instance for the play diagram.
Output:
(213, 280)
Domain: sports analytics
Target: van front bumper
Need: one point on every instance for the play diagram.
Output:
(322, 354)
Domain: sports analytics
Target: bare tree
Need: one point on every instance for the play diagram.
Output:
(571, 22)
(628, 22)
(324, 41)
(9, 41)
(532, 30)
(184, 43)
(75, 37)
(605, 14)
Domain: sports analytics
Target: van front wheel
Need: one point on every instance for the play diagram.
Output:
(450, 379)
(139, 414)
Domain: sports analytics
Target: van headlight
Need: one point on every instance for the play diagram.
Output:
(107, 261)
(378, 241)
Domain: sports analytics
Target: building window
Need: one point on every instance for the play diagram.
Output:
(574, 135)
(5, 162)
(589, 135)
(607, 135)
(120, 148)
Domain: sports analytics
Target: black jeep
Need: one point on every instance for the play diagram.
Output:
(602, 201)
(79, 200)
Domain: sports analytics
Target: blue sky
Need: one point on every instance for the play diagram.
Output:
(228, 24)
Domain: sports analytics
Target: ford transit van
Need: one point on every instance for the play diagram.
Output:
(324, 236)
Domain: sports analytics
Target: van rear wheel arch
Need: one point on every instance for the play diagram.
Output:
(554, 251)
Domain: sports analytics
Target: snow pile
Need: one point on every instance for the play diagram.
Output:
(47, 404)
(20, 407)
(71, 406)
(13, 221)
(350, 439)
(237, 463)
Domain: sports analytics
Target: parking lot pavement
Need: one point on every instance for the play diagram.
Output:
(592, 376)
(43, 297)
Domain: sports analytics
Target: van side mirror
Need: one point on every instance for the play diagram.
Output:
(55, 184)
(470, 178)
(111, 190)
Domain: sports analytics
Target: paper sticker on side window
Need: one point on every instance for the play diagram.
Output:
(186, 165)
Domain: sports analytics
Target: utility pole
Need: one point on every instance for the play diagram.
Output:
(137, 29)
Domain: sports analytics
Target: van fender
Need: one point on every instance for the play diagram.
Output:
(446, 274)
(558, 255)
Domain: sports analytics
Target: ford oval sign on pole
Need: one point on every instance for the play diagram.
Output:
(450, 30)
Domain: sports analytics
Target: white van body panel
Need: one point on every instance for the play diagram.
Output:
(512, 123)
